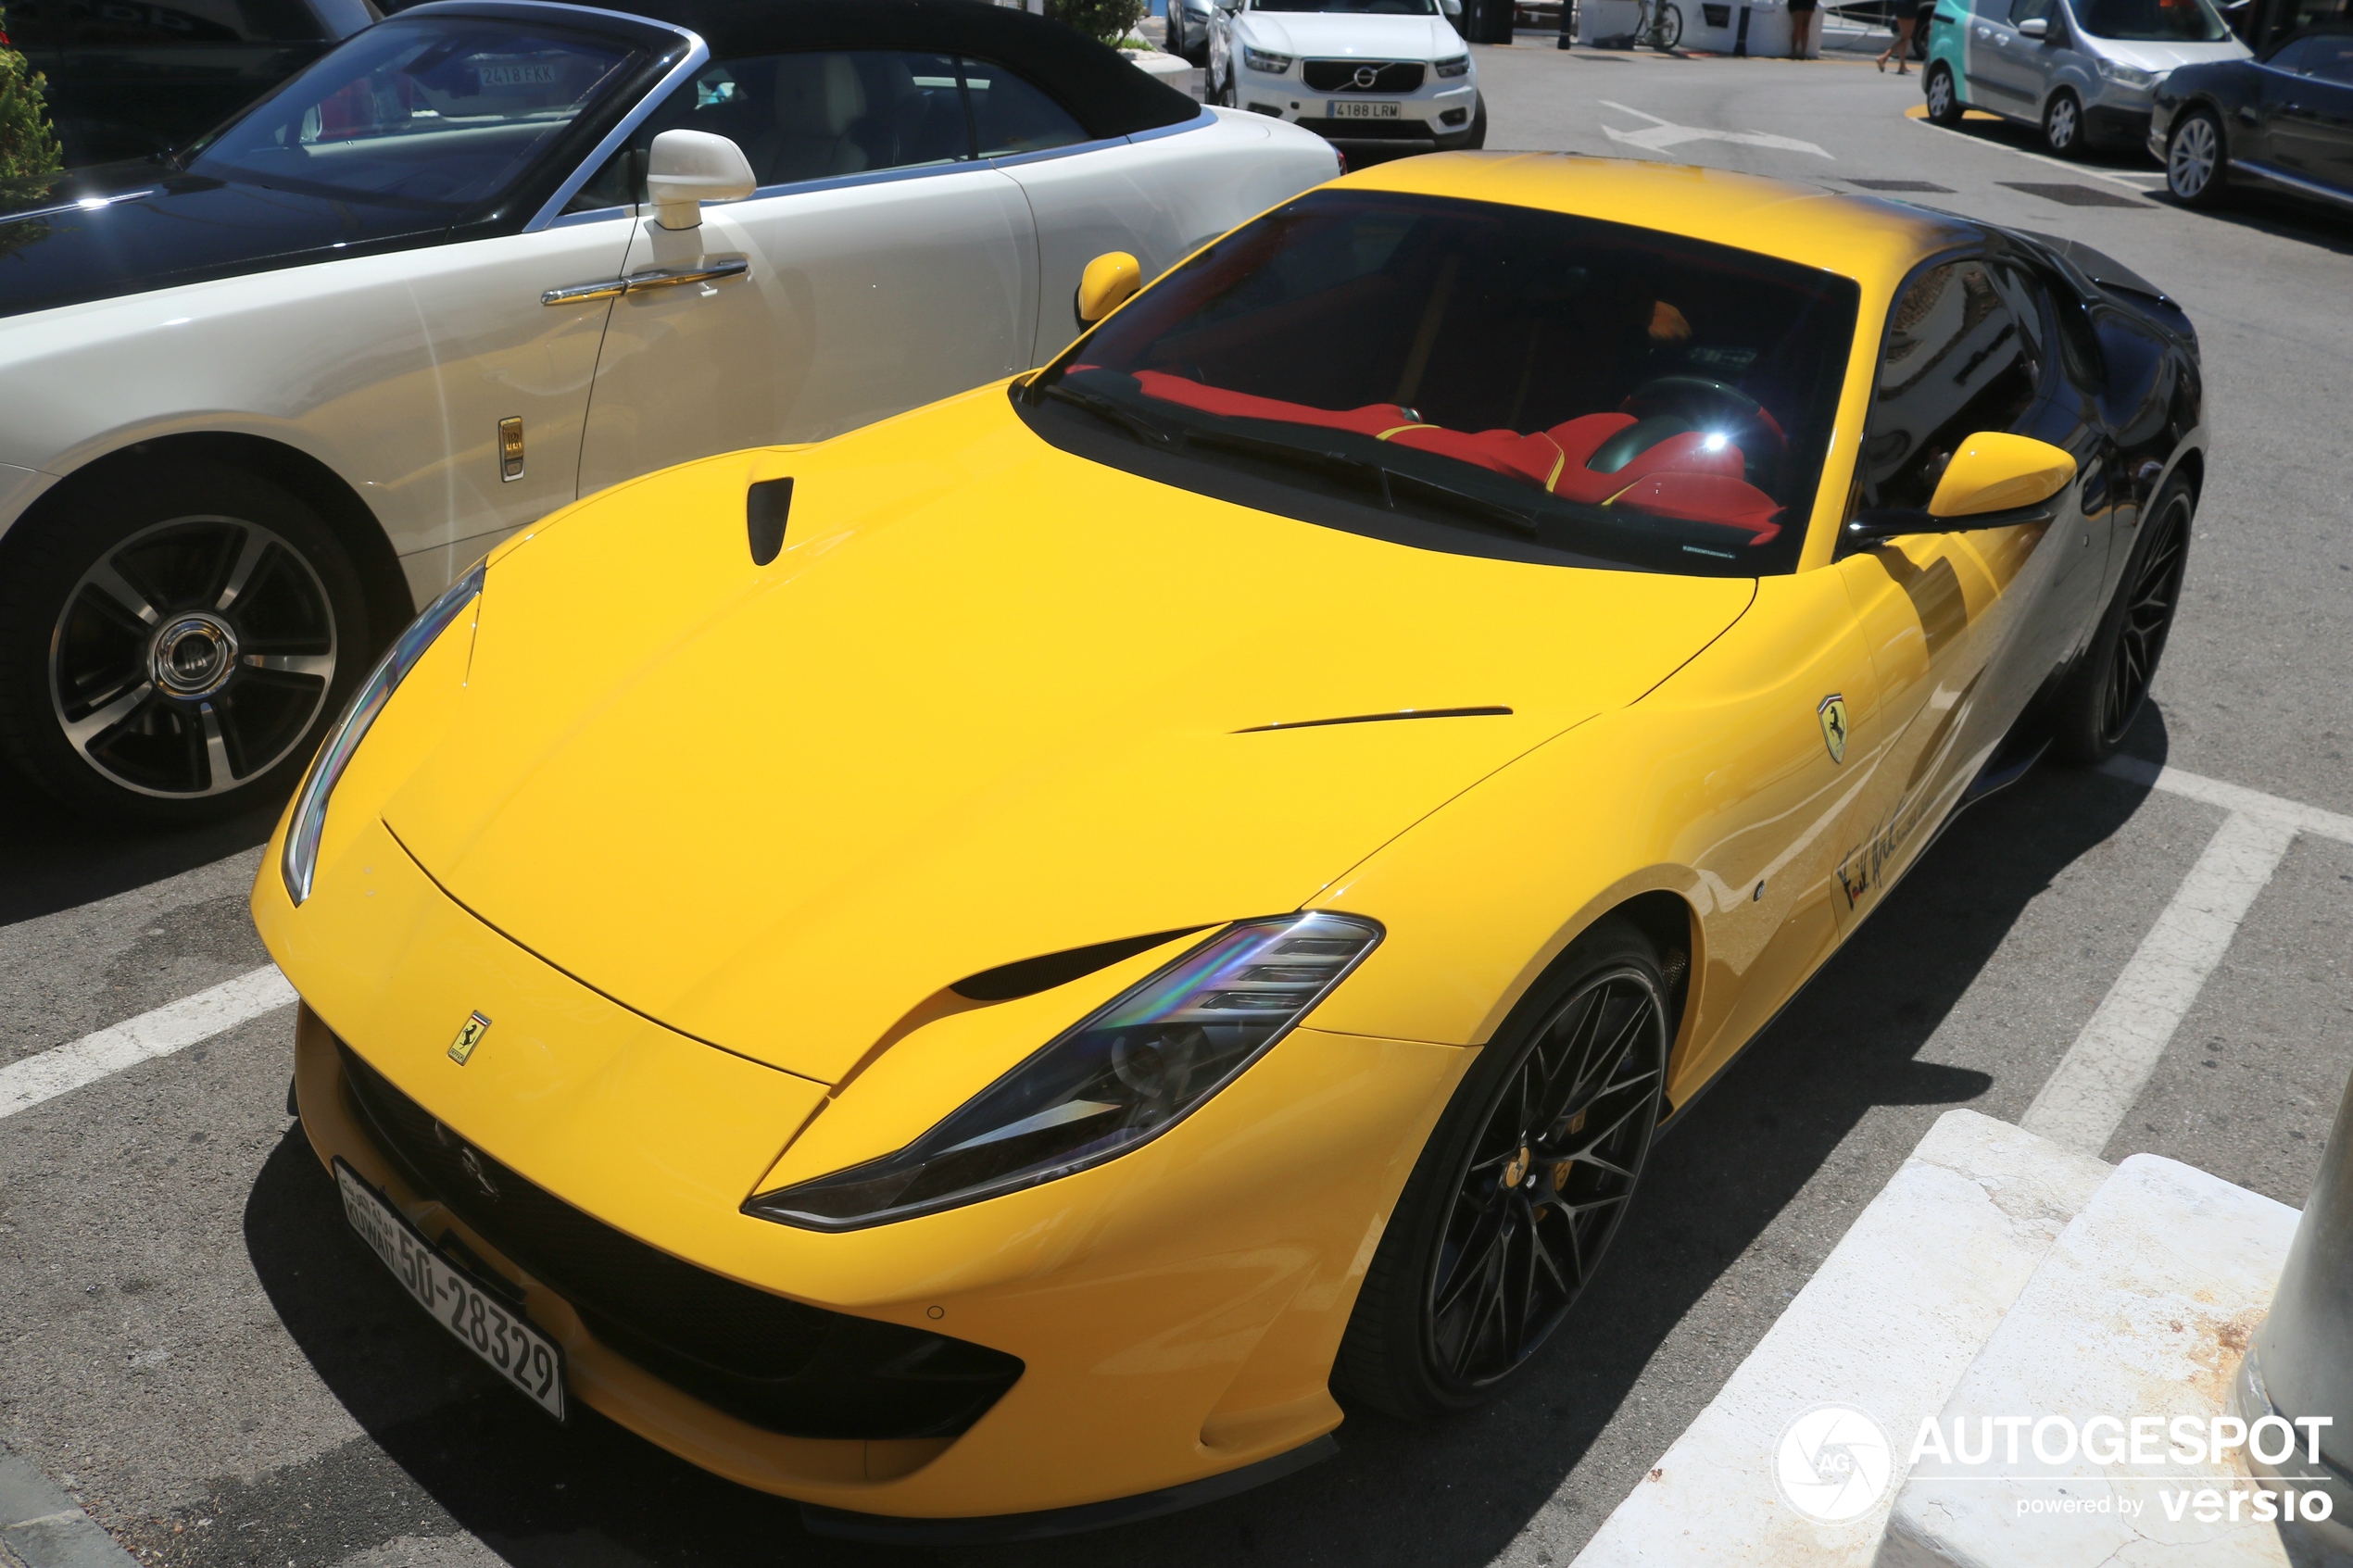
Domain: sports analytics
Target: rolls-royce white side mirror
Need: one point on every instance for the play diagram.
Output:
(686, 168)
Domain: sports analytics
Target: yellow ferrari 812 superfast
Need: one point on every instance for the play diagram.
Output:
(973, 974)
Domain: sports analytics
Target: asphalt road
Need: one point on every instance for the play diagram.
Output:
(192, 1343)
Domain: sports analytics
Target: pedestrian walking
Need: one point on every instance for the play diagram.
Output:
(1805, 29)
(1908, 13)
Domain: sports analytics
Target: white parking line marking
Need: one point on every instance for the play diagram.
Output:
(2105, 1069)
(172, 1027)
(2231, 797)
(1663, 134)
(2113, 176)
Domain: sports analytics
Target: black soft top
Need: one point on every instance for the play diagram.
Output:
(1103, 92)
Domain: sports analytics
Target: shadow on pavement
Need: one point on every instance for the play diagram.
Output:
(52, 859)
(1452, 1492)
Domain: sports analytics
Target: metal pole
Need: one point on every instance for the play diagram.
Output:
(1568, 22)
(2301, 1363)
(1740, 43)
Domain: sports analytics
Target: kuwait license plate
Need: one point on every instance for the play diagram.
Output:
(1358, 108)
(483, 1323)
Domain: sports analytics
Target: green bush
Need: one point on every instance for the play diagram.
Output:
(1106, 21)
(27, 146)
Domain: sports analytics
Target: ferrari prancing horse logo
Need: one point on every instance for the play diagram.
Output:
(469, 1036)
(1834, 716)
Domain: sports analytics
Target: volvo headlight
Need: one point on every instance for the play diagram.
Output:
(1458, 65)
(2130, 76)
(1125, 1074)
(326, 769)
(1260, 60)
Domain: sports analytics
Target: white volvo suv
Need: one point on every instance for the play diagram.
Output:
(1370, 76)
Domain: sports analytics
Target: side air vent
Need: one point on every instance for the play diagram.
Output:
(766, 504)
(1027, 977)
(1380, 718)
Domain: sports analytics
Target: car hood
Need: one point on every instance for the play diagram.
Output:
(993, 701)
(2169, 56)
(1350, 35)
(122, 229)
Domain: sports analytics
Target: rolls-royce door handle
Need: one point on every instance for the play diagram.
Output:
(660, 277)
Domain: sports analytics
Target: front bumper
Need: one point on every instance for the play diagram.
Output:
(1437, 115)
(1173, 1313)
(2123, 124)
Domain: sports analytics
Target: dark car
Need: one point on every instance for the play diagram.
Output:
(131, 78)
(2279, 123)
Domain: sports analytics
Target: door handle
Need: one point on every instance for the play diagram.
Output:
(661, 277)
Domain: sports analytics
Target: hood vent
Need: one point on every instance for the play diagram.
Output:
(1380, 718)
(1027, 977)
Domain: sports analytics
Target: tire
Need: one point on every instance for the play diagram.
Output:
(2063, 125)
(1668, 31)
(1944, 107)
(1515, 1178)
(167, 713)
(1919, 40)
(2104, 693)
(2197, 160)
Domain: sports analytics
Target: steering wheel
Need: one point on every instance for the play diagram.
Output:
(1702, 403)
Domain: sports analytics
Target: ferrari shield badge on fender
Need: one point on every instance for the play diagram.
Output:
(470, 1034)
(1834, 717)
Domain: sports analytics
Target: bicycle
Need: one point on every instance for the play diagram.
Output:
(1658, 23)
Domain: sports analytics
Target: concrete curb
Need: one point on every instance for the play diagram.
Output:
(44, 1527)
(1889, 1325)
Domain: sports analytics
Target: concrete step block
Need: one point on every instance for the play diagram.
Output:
(2144, 1309)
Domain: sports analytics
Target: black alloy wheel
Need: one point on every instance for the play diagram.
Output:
(2105, 692)
(2196, 163)
(2063, 125)
(1520, 1188)
(171, 647)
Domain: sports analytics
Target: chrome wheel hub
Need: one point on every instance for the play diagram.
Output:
(192, 655)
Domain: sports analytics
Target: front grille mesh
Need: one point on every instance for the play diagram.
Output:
(1340, 76)
(777, 1364)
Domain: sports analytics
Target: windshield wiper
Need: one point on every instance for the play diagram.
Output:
(1108, 411)
(1390, 483)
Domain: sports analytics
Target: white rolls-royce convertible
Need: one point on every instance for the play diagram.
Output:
(259, 400)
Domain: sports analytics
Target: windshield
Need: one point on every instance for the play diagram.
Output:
(1361, 7)
(431, 113)
(1480, 379)
(2152, 21)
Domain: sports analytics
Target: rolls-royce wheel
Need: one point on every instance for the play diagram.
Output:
(1520, 1188)
(2194, 162)
(2063, 125)
(1944, 107)
(172, 643)
(2104, 693)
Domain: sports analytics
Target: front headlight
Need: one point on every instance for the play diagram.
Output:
(1125, 1074)
(2129, 76)
(1260, 60)
(301, 857)
(1458, 65)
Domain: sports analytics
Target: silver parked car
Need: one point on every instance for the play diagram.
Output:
(2082, 71)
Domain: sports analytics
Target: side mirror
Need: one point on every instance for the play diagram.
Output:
(686, 168)
(1994, 481)
(1109, 280)
(2034, 27)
